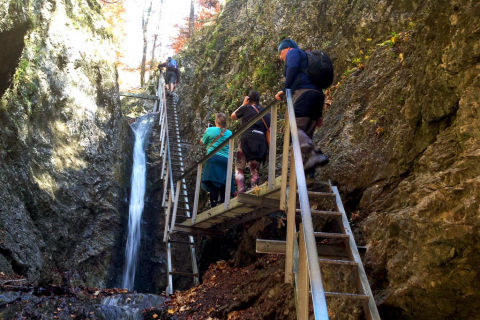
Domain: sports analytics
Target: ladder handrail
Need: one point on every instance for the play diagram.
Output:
(163, 111)
(167, 141)
(316, 284)
(372, 307)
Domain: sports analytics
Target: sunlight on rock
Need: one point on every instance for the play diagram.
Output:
(67, 157)
(46, 182)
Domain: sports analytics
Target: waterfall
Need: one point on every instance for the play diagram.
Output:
(141, 129)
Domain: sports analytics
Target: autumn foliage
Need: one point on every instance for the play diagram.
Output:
(209, 10)
(114, 13)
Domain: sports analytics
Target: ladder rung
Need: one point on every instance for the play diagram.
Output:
(316, 194)
(186, 274)
(180, 242)
(338, 262)
(346, 295)
(323, 213)
(331, 235)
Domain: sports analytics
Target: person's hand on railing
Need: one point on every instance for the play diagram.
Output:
(279, 95)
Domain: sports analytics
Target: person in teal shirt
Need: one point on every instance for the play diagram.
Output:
(214, 176)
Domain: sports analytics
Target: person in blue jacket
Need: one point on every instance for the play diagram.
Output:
(308, 101)
(172, 76)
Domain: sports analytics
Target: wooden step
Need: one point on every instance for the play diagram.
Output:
(338, 262)
(346, 295)
(323, 213)
(331, 235)
(324, 250)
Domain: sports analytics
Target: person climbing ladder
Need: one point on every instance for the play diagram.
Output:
(172, 76)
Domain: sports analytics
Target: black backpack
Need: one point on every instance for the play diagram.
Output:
(319, 68)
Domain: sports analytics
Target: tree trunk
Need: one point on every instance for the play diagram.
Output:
(145, 20)
(191, 21)
(152, 61)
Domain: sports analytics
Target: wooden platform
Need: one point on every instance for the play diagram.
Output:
(244, 207)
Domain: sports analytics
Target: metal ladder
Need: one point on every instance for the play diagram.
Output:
(302, 263)
(172, 168)
(342, 253)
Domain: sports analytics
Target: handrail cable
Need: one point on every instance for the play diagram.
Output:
(169, 155)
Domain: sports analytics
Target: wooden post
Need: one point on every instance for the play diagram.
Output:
(167, 217)
(175, 205)
(272, 153)
(165, 187)
(302, 294)
(197, 192)
(196, 279)
(163, 133)
(164, 162)
(292, 206)
(286, 148)
(228, 186)
(169, 290)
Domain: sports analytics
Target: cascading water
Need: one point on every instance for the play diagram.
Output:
(141, 129)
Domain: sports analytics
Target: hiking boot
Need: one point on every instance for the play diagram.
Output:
(317, 159)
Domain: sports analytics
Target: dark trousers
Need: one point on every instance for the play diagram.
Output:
(217, 195)
(308, 105)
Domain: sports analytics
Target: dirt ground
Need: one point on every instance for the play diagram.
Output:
(256, 291)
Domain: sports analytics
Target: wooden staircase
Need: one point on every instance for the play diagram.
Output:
(318, 234)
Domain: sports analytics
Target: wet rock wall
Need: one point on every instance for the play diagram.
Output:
(64, 147)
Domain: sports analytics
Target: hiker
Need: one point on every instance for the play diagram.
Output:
(214, 175)
(307, 99)
(172, 76)
(253, 145)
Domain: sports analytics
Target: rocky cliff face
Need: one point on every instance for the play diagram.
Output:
(63, 143)
(401, 129)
